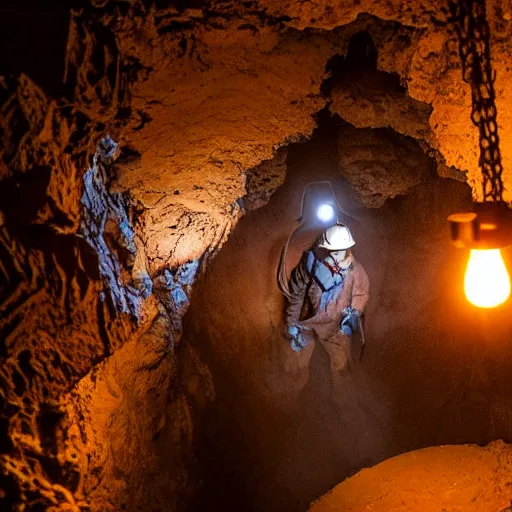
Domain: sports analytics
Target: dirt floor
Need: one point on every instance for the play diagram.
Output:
(435, 371)
(440, 479)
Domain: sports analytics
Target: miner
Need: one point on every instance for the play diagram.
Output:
(328, 292)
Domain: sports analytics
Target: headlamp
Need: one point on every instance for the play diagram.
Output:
(325, 212)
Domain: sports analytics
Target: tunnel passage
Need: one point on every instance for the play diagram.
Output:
(435, 370)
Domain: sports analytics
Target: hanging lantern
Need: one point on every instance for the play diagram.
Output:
(487, 229)
(485, 232)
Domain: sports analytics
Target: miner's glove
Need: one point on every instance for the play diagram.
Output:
(297, 340)
(350, 321)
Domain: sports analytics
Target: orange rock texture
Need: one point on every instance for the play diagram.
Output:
(424, 54)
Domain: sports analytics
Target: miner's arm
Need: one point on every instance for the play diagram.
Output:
(299, 282)
(359, 299)
(361, 290)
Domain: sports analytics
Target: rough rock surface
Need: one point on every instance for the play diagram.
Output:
(424, 54)
(128, 412)
(375, 100)
(447, 478)
(219, 57)
(380, 164)
(264, 179)
(75, 289)
(246, 79)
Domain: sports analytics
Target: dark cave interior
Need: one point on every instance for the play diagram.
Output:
(425, 379)
(154, 156)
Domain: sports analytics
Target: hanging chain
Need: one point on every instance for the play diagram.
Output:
(473, 33)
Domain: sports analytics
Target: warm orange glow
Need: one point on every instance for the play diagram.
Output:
(486, 283)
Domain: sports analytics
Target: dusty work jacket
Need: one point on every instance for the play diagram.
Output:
(320, 292)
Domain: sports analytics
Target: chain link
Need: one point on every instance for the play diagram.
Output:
(473, 33)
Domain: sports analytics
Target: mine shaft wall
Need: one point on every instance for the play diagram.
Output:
(434, 370)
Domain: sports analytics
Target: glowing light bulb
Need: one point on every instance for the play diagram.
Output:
(486, 283)
(325, 212)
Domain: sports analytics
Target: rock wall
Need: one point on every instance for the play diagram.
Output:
(130, 426)
(380, 164)
(95, 386)
(75, 289)
(420, 46)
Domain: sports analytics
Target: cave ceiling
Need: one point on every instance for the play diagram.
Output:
(218, 89)
(198, 97)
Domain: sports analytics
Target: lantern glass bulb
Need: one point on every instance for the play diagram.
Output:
(486, 283)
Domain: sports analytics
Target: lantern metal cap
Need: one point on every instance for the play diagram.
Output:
(488, 226)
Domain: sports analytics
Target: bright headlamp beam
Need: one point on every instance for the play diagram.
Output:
(325, 212)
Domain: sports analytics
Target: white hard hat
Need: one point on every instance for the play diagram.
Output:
(337, 238)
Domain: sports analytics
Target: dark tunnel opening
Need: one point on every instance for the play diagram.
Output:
(424, 380)
(361, 58)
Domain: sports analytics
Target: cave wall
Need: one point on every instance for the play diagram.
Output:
(55, 326)
(131, 426)
(424, 54)
(246, 79)
(434, 370)
(76, 290)
(95, 386)
(134, 171)
(93, 382)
